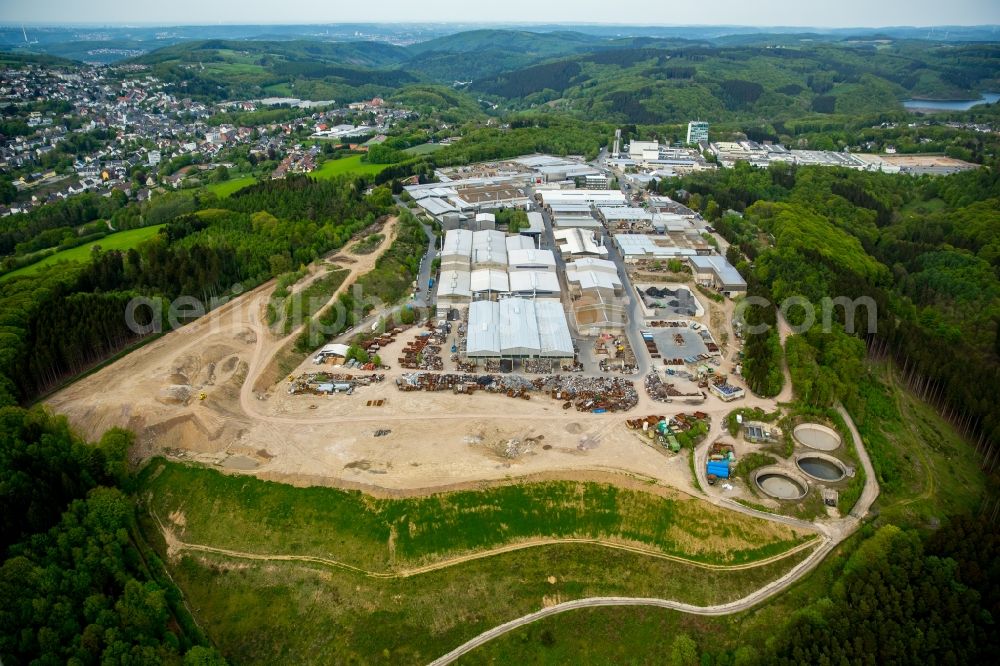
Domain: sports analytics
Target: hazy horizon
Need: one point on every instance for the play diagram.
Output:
(707, 13)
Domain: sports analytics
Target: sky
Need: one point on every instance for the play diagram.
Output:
(809, 13)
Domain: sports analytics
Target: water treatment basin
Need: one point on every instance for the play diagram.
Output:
(780, 484)
(821, 468)
(816, 436)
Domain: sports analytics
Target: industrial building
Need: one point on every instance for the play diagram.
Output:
(715, 271)
(486, 265)
(578, 243)
(536, 226)
(455, 204)
(518, 328)
(697, 132)
(674, 245)
(596, 293)
(607, 198)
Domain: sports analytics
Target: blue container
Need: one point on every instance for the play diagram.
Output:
(720, 468)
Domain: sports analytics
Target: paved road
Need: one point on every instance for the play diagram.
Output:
(636, 318)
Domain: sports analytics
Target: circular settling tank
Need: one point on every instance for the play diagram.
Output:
(817, 436)
(822, 468)
(780, 485)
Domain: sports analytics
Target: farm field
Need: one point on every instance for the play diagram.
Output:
(122, 240)
(226, 188)
(424, 149)
(347, 166)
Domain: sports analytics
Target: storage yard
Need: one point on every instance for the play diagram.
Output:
(536, 333)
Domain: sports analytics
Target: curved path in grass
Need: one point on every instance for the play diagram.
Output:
(175, 545)
(832, 536)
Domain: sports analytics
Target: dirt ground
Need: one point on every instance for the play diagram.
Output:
(191, 394)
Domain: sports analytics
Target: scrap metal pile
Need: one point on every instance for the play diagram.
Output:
(537, 366)
(587, 394)
(322, 383)
(660, 391)
(423, 353)
(664, 431)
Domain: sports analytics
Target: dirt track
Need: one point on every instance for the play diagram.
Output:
(175, 546)
(436, 440)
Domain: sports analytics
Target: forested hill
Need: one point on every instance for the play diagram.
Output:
(633, 79)
(925, 251)
(653, 84)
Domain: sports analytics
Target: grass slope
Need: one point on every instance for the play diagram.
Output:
(226, 188)
(247, 514)
(123, 240)
(287, 612)
(347, 165)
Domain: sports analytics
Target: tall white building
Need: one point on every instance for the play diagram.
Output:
(697, 132)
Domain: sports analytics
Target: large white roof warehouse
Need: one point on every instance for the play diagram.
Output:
(519, 327)
(589, 197)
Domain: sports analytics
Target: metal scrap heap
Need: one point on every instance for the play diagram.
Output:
(660, 391)
(423, 353)
(587, 394)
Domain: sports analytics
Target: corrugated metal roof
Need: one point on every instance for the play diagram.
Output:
(518, 327)
(454, 283)
(518, 242)
(457, 242)
(554, 339)
(529, 282)
(483, 337)
(489, 247)
(579, 241)
(724, 271)
(489, 279)
(531, 258)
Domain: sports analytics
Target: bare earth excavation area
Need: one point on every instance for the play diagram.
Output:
(192, 394)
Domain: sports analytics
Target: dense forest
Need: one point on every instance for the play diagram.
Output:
(904, 598)
(77, 582)
(223, 247)
(925, 250)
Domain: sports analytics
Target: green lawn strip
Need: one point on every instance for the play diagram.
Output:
(424, 148)
(122, 240)
(246, 514)
(255, 611)
(347, 165)
(228, 187)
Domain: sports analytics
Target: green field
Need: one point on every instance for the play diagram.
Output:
(290, 612)
(424, 148)
(123, 240)
(247, 514)
(252, 604)
(347, 166)
(224, 189)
